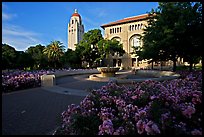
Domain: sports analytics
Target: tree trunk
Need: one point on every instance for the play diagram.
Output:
(90, 64)
(152, 65)
(174, 65)
(191, 67)
(161, 65)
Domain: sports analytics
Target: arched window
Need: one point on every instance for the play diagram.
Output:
(117, 30)
(72, 21)
(138, 26)
(110, 31)
(141, 26)
(120, 29)
(130, 28)
(117, 38)
(134, 42)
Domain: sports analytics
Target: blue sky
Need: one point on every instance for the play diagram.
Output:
(26, 24)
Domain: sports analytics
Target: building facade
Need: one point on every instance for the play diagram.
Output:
(127, 31)
(75, 30)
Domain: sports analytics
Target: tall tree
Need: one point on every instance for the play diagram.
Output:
(109, 47)
(87, 48)
(191, 39)
(39, 58)
(54, 51)
(71, 59)
(168, 29)
(9, 55)
(24, 60)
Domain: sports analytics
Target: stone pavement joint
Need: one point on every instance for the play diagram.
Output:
(67, 91)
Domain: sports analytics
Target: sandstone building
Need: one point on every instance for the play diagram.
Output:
(127, 31)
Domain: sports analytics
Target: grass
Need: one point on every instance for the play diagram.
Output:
(184, 67)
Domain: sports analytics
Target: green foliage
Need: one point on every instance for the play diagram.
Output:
(23, 60)
(107, 47)
(37, 55)
(86, 125)
(87, 48)
(93, 48)
(8, 56)
(54, 51)
(160, 109)
(173, 31)
(71, 59)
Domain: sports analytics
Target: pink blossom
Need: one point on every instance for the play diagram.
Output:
(196, 132)
(151, 128)
(140, 126)
(134, 97)
(189, 111)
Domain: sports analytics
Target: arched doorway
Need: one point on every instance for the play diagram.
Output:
(135, 41)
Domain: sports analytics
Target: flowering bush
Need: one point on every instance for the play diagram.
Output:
(148, 108)
(17, 80)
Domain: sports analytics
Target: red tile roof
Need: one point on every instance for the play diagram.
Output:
(76, 14)
(126, 20)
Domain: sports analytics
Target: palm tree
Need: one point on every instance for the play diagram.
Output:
(54, 51)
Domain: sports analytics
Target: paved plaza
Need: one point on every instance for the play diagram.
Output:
(37, 111)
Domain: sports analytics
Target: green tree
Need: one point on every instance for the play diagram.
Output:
(24, 60)
(87, 48)
(168, 34)
(71, 59)
(8, 57)
(39, 58)
(54, 51)
(191, 38)
(107, 47)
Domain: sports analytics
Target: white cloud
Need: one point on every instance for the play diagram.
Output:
(18, 37)
(6, 16)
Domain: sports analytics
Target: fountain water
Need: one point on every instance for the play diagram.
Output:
(111, 73)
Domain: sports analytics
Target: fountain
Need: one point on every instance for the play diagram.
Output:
(106, 74)
(125, 77)
(108, 71)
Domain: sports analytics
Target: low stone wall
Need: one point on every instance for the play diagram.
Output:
(50, 79)
(154, 74)
(75, 72)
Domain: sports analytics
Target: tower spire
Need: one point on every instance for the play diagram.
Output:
(75, 11)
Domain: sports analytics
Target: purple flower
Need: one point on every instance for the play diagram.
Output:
(189, 111)
(151, 128)
(140, 126)
(196, 132)
(106, 128)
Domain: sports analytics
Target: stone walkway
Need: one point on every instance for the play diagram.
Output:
(37, 111)
(34, 111)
